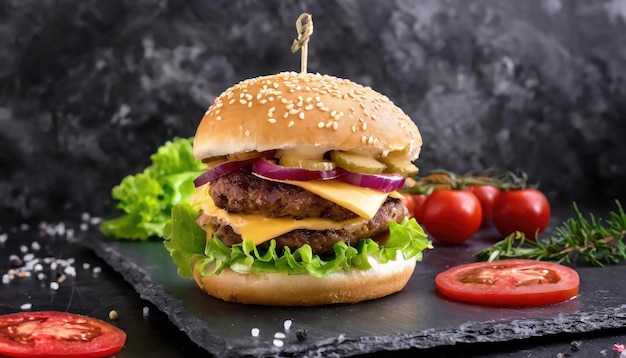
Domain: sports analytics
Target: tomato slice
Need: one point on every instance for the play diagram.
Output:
(514, 282)
(58, 334)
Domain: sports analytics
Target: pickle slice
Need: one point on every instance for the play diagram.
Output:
(357, 163)
(310, 164)
(243, 156)
(399, 165)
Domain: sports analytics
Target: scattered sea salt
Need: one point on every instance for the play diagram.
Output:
(24, 249)
(86, 265)
(6, 278)
(54, 286)
(146, 310)
(35, 246)
(254, 332)
(97, 269)
(3, 238)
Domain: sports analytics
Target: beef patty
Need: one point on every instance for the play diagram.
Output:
(245, 193)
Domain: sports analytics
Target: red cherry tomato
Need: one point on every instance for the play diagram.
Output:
(525, 210)
(58, 334)
(488, 195)
(509, 283)
(452, 216)
(415, 204)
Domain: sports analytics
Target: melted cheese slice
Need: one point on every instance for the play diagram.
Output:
(362, 201)
(258, 228)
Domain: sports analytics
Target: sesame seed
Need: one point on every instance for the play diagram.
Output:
(249, 104)
(364, 126)
(271, 98)
(333, 113)
(308, 107)
(301, 115)
(374, 117)
(364, 139)
(320, 125)
(248, 96)
(26, 306)
(335, 125)
(329, 124)
(324, 109)
(207, 111)
(275, 84)
(287, 324)
(291, 124)
(294, 111)
(254, 332)
(289, 106)
(278, 343)
(280, 335)
(286, 115)
(259, 95)
(218, 118)
(263, 101)
(243, 101)
(247, 133)
(272, 120)
(284, 100)
(231, 101)
(353, 128)
(319, 104)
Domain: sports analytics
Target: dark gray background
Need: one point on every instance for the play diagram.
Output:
(89, 89)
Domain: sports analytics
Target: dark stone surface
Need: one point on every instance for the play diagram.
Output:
(414, 320)
(88, 89)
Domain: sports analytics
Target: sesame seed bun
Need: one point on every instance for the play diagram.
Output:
(307, 111)
(305, 290)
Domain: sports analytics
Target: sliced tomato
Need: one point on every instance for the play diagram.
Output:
(58, 334)
(514, 282)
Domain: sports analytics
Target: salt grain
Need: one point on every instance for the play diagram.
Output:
(38, 267)
(254, 332)
(84, 227)
(287, 324)
(3, 238)
(146, 311)
(6, 278)
(29, 257)
(54, 286)
(35, 246)
(97, 269)
(23, 249)
(26, 306)
(24, 227)
(86, 265)
(70, 271)
(85, 216)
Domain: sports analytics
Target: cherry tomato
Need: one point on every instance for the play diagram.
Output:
(415, 204)
(525, 210)
(514, 282)
(58, 334)
(488, 195)
(452, 216)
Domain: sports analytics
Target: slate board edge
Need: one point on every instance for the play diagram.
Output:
(470, 332)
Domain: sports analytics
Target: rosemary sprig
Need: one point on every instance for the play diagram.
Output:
(598, 241)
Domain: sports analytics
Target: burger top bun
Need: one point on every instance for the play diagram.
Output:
(311, 112)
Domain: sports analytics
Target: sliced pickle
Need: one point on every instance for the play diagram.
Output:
(356, 162)
(214, 161)
(396, 164)
(243, 156)
(310, 164)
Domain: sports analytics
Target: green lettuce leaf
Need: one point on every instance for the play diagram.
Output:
(147, 198)
(187, 243)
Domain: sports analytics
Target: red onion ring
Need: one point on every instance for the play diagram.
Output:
(385, 183)
(219, 170)
(270, 170)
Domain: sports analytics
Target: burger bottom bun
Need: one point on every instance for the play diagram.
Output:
(276, 289)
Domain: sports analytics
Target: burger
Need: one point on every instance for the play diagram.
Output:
(299, 203)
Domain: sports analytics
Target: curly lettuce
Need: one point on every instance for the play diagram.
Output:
(187, 245)
(147, 198)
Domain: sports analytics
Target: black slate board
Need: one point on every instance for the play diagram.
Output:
(415, 318)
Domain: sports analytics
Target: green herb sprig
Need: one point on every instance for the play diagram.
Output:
(597, 241)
